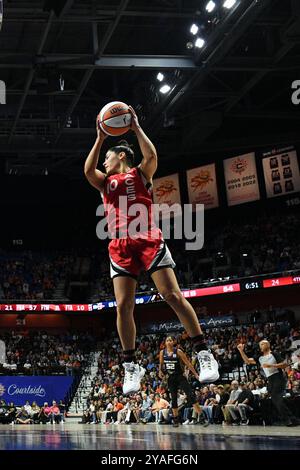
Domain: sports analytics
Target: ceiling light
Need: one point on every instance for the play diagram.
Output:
(160, 77)
(194, 29)
(229, 3)
(199, 43)
(210, 6)
(165, 89)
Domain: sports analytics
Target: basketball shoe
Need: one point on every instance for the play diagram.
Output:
(133, 376)
(208, 367)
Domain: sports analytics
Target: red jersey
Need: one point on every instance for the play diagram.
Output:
(127, 199)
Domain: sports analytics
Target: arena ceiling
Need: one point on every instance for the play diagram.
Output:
(62, 65)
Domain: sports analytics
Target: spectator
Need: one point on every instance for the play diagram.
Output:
(22, 417)
(242, 406)
(44, 414)
(55, 415)
(233, 400)
(160, 409)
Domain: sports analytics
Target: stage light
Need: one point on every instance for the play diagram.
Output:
(199, 43)
(229, 4)
(194, 29)
(245, 255)
(160, 77)
(210, 6)
(165, 89)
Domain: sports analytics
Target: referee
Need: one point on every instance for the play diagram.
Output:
(273, 368)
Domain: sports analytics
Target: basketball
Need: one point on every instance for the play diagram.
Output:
(114, 118)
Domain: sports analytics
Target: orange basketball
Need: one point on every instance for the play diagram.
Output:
(114, 118)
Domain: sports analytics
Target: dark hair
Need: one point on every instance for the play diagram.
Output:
(123, 146)
(170, 337)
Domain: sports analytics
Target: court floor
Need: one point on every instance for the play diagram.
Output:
(73, 436)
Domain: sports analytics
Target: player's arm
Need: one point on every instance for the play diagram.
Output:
(161, 363)
(280, 365)
(95, 177)
(148, 165)
(245, 358)
(189, 365)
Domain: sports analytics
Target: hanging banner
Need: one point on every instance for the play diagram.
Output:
(202, 186)
(241, 179)
(281, 172)
(166, 190)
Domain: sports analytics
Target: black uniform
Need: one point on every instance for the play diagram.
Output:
(176, 379)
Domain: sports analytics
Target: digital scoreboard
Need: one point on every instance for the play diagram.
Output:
(246, 285)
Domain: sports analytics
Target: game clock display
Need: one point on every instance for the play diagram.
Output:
(251, 285)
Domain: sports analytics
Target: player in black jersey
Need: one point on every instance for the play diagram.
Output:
(172, 360)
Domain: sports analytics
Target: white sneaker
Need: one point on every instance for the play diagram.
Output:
(208, 367)
(133, 375)
(187, 421)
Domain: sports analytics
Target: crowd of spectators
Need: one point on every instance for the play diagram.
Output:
(268, 244)
(32, 413)
(238, 395)
(41, 353)
(31, 275)
(265, 245)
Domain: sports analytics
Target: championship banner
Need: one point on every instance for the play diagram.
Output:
(202, 186)
(241, 179)
(166, 190)
(281, 172)
(19, 389)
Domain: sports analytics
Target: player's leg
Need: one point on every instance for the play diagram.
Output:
(185, 386)
(167, 285)
(124, 288)
(173, 390)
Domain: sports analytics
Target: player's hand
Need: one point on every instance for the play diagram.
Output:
(100, 134)
(240, 347)
(266, 366)
(134, 119)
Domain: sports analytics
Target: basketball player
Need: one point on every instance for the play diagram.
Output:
(273, 366)
(129, 255)
(173, 359)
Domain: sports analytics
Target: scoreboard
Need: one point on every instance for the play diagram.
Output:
(216, 288)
